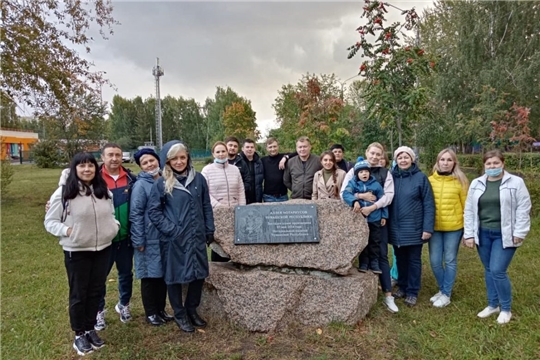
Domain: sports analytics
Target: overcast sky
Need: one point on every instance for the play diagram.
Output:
(253, 47)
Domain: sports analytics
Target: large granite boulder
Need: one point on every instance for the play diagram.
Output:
(343, 235)
(263, 301)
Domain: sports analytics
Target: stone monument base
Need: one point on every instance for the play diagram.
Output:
(262, 301)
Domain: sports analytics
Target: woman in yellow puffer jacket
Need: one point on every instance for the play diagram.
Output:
(450, 187)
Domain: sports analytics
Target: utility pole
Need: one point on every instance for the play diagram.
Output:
(157, 71)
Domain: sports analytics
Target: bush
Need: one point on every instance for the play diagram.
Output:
(6, 176)
(529, 161)
(47, 154)
(533, 185)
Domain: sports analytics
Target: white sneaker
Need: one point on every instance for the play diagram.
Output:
(435, 297)
(442, 301)
(124, 311)
(390, 304)
(488, 311)
(504, 317)
(100, 321)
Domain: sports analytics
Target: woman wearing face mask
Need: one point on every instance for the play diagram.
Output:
(145, 239)
(449, 186)
(327, 182)
(412, 217)
(225, 185)
(179, 206)
(497, 220)
(224, 180)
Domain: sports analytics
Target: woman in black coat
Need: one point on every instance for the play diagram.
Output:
(412, 218)
(180, 208)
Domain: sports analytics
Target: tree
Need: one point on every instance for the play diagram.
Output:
(512, 129)
(215, 108)
(122, 122)
(394, 94)
(239, 121)
(77, 127)
(314, 107)
(38, 66)
(493, 44)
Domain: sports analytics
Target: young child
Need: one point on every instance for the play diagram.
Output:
(363, 183)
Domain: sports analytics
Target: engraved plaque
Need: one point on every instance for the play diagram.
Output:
(276, 224)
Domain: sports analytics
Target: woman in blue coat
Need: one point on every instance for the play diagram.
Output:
(145, 239)
(180, 208)
(412, 218)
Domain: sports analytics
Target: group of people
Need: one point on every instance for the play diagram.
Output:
(163, 219)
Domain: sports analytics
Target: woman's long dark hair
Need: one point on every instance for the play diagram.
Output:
(73, 183)
(333, 170)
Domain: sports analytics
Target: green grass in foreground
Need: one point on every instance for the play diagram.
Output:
(35, 324)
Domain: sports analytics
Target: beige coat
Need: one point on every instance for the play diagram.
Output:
(323, 191)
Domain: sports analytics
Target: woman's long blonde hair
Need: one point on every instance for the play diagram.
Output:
(456, 171)
(168, 174)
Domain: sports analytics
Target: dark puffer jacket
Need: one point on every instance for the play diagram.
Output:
(184, 219)
(256, 178)
(143, 232)
(413, 209)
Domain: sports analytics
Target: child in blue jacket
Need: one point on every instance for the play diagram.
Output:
(363, 182)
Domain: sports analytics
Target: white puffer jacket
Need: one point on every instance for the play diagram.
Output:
(224, 184)
(515, 209)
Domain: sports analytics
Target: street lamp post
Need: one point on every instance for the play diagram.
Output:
(343, 83)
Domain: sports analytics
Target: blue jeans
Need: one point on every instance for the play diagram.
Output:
(443, 247)
(270, 198)
(409, 263)
(122, 255)
(496, 260)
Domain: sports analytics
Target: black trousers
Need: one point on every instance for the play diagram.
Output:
(87, 274)
(154, 295)
(193, 298)
(373, 249)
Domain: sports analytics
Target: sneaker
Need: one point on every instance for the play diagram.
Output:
(442, 301)
(488, 311)
(435, 297)
(399, 294)
(82, 345)
(390, 304)
(95, 341)
(410, 301)
(100, 321)
(363, 268)
(374, 267)
(123, 310)
(504, 317)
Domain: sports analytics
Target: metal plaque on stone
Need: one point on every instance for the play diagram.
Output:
(276, 224)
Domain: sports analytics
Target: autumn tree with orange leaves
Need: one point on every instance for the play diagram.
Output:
(239, 121)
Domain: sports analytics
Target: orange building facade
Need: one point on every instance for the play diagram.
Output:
(13, 141)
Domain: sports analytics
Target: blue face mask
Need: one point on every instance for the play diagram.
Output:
(494, 172)
(218, 161)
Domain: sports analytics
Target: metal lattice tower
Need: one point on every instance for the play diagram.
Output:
(157, 71)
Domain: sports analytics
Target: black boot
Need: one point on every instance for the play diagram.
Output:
(184, 323)
(155, 320)
(196, 319)
(163, 314)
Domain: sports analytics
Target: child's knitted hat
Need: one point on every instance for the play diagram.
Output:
(361, 164)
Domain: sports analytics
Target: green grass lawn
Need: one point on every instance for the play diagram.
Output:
(35, 324)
